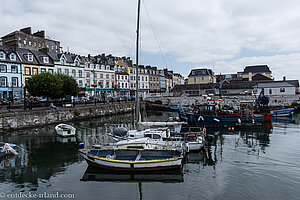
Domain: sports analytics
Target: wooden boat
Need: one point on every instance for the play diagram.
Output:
(7, 149)
(65, 130)
(133, 159)
(283, 112)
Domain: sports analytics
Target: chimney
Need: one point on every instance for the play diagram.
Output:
(89, 56)
(44, 50)
(26, 30)
(284, 78)
(40, 34)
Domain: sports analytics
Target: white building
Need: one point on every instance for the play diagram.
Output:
(275, 88)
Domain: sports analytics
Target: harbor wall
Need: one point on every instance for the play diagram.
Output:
(282, 100)
(26, 119)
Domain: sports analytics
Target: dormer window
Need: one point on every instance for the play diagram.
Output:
(62, 61)
(30, 57)
(12, 56)
(76, 63)
(2, 55)
(45, 59)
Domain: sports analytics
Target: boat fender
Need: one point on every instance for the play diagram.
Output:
(239, 121)
(253, 121)
(217, 120)
(200, 118)
(204, 131)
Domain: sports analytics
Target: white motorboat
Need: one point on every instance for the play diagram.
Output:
(7, 149)
(65, 130)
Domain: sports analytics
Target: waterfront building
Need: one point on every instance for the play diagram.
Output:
(24, 38)
(162, 81)
(251, 71)
(100, 76)
(143, 81)
(178, 79)
(122, 83)
(69, 64)
(169, 79)
(129, 68)
(154, 79)
(275, 88)
(201, 76)
(11, 79)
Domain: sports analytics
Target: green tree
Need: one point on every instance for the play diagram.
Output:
(70, 86)
(51, 85)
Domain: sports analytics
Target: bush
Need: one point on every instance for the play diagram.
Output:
(76, 113)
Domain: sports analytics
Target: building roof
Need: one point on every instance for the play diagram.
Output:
(200, 72)
(257, 69)
(260, 77)
(273, 85)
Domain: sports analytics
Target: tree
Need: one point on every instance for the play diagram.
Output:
(51, 85)
(70, 86)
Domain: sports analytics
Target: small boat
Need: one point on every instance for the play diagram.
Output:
(7, 149)
(180, 108)
(65, 130)
(283, 112)
(133, 159)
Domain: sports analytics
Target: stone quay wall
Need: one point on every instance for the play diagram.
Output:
(26, 119)
(282, 100)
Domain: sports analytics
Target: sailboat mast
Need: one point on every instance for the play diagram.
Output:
(137, 63)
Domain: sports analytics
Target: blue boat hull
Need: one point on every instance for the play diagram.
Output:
(283, 112)
(207, 120)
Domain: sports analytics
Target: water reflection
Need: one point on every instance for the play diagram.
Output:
(44, 156)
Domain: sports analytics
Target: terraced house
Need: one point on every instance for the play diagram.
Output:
(69, 64)
(100, 76)
(11, 79)
(129, 68)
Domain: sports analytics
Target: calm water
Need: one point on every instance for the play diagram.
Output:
(250, 164)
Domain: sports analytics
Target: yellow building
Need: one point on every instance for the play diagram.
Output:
(251, 71)
(130, 69)
(201, 76)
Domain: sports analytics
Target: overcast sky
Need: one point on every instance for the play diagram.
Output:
(225, 35)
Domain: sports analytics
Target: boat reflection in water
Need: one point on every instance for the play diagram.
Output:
(104, 175)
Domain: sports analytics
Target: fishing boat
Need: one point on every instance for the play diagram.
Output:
(65, 130)
(7, 149)
(283, 112)
(133, 159)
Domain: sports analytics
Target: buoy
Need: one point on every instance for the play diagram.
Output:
(229, 128)
(239, 121)
(232, 128)
(81, 145)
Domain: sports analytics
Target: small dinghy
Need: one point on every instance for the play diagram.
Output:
(65, 130)
(7, 149)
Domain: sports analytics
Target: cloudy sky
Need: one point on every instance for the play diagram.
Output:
(225, 35)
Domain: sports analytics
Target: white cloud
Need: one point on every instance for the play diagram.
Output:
(196, 31)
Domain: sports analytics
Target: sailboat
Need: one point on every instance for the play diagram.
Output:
(134, 158)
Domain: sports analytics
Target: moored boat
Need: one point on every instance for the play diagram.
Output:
(7, 149)
(283, 112)
(133, 159)
(65, 130)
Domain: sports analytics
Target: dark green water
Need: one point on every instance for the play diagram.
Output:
(248, 164)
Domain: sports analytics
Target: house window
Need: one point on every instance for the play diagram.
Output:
(113, 76)
(270, 91)
(76, 63)
(202, 78)
(14, 81)
(80, 73)
(27, 71)
(3, 81)
(62, 62)
(107, 76)
(88, 83)
(35, 71)
(12, 56)
(30, 57)
(25, 42)
(3, 68)
(59, 70)
(67, 71)
(101, 75)
(282, 89)
(88, 74)
(73, 72)
(50, 71)
(46, 59)
(80, 84)
(29, 43)
(43, 70)
(2, 55)
(34, 44)
(14, 69)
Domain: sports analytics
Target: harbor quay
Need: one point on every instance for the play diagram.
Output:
(19, 118)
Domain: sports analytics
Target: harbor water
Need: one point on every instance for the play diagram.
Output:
(262, 163)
